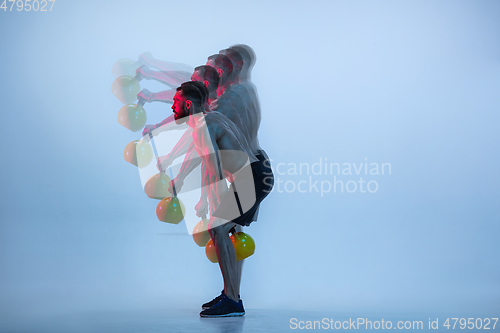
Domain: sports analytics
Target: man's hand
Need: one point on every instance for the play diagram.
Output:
(201, 208)
(142, 72)
(144, 95)
(163, 162)
(178, 185)
(147, 131)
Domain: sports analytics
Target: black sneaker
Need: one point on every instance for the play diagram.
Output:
(226, 307)
(216, 300)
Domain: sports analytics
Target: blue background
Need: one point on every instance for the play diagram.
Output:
(414, 84)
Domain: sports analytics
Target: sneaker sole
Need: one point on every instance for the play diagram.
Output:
(234, 314)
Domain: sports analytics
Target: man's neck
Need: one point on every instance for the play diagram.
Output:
(212, 97)
(244, 77)
(221, 89)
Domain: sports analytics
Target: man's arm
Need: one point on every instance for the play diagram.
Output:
(148, 59)
(165, 125)
(191, 161)
(170, 78)
(165, 96)
(202, 206)
(204, 148)
(206, 144)
(182, 147)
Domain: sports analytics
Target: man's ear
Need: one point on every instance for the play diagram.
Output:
(219, 71)
(188, 104)
(205, 82)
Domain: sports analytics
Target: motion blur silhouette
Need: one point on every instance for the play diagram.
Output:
(217, 107)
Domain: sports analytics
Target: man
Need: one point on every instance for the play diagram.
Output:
(225, 153)
(238, 101)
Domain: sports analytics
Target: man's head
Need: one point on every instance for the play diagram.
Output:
(208, 75)
(224, 67)
(248, 56)
(188, 100)
(236, 59)
(203, 90)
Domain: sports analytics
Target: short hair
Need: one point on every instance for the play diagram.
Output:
(225, 64)
(246, 53)
(236, 59)
(203, 90)
(210, 74)
(191, 90)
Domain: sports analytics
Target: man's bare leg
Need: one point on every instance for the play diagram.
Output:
(239, 264)
(227, 257)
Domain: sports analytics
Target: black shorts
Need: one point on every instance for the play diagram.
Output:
(261, 183)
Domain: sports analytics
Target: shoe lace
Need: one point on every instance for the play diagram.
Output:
(222, 301)
(221, 294)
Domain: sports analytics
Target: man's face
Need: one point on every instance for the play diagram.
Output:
(196, 76)
(211, 63)
(178, 108)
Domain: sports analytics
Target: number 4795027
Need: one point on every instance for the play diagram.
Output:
(27, 5)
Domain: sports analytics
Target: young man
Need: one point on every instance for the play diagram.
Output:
(225, 153)
(238, 101)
